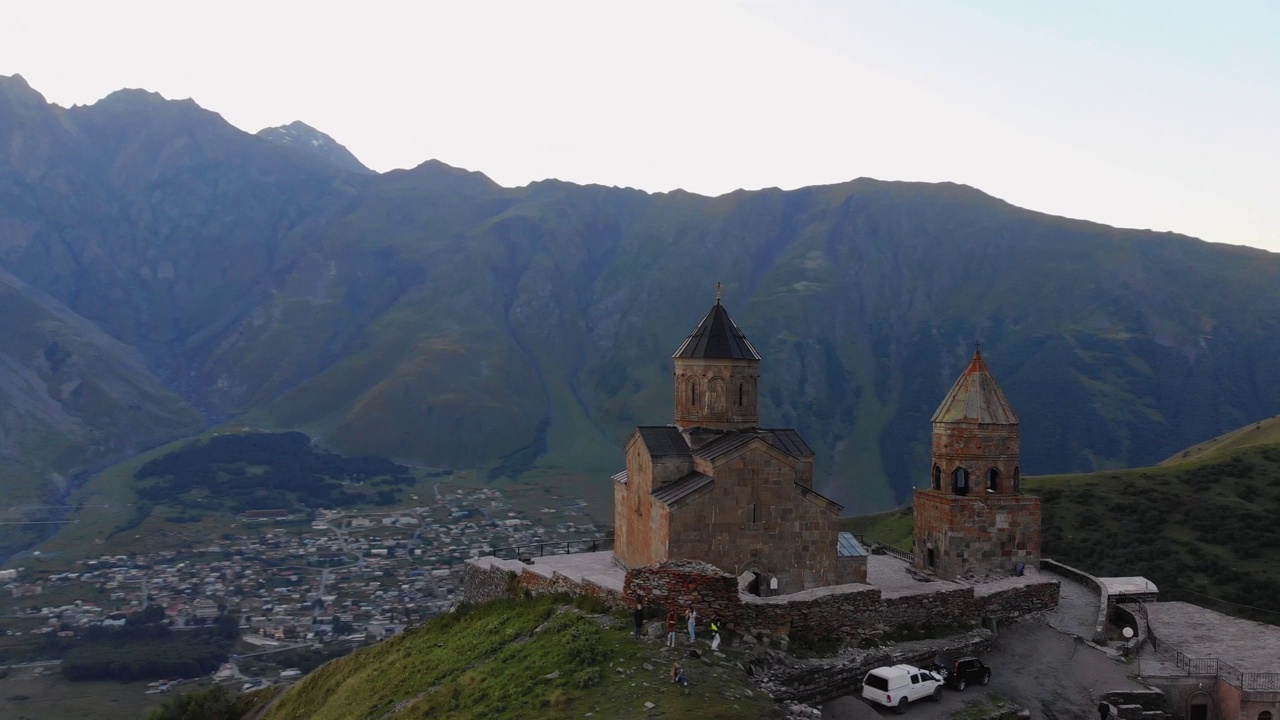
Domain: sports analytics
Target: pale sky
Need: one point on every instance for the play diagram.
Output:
(1161, 115)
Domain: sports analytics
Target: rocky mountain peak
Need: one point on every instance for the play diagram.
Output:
(302, 136)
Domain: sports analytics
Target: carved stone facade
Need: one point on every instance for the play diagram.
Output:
(973, 519)
(715, 487)
(717, 394)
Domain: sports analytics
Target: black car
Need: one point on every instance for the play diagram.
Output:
(960, 672)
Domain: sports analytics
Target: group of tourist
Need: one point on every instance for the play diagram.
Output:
(677, 671)
(673, 623)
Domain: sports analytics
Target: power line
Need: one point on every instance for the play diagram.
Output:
(1227, 602)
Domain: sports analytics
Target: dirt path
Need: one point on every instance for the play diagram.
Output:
(1054, 675)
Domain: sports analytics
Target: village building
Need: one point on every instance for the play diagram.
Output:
(716, 487)
(973, 519)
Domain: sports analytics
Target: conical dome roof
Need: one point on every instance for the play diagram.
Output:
(976, 398)
(718, 337)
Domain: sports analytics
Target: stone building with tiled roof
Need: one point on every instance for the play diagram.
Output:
(715, 487)
(973, 518)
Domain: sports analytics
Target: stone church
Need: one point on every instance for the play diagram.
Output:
(973, 518)
(715, 486)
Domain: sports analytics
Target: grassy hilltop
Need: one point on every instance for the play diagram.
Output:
(520, 659)
(1203, 529)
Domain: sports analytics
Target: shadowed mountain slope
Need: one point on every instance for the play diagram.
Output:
(433, 316)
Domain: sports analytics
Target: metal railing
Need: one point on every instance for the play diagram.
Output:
(555, 547)
(1209, 667)
(1260, 682)
(897, 552)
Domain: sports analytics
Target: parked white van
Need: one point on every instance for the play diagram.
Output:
(896, 686)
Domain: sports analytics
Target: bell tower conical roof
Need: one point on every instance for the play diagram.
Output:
(976, 398)
(717, 337)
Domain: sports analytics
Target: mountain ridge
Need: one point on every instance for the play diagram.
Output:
(434, 316)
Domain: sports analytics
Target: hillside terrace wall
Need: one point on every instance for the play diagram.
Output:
(483, 584)
(851, 611)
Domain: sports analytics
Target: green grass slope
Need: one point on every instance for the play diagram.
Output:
(519, 659)
(1263, 432)
(1204, 530)
(71, 397)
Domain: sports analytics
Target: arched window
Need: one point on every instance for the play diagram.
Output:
(993, 480)
(960, 481)
(742, 393)
(1264, 715)
(937, 478)
(693, 393)
(1017, 480)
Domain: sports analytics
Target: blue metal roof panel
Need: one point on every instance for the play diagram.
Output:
(847, 545)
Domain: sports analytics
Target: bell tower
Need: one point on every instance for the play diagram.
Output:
(717, 376)
(973, 518)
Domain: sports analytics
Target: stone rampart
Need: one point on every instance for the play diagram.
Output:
(851, 611)
(1084, 578)
(482, 583)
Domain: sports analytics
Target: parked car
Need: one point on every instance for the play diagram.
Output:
(898, 685)
(960, 672)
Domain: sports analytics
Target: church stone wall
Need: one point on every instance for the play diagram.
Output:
(641, 529)
(793, 537)
(979, 534)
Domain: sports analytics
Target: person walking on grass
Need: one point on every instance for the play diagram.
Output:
(715, 634)
(671, 627)
(639, 617)
(693, 625)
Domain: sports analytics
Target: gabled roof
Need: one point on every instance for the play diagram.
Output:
(976, 398)
(685, 486)
(723, 445)
(718, 337)
(788, 441)
(663, 440)
(811, 493)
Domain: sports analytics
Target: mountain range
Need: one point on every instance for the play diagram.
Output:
(164, 271)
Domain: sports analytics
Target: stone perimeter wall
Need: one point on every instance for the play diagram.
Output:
(482, 584)
(851, 611)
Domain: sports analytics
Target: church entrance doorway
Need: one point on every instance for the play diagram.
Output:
(1198, 706)
(750, 581)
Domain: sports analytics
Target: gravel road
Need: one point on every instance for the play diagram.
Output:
(1054, 675)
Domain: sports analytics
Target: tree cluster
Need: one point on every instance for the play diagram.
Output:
(145, 649)
(261, 471)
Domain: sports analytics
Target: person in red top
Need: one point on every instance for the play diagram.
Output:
(671, 627)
